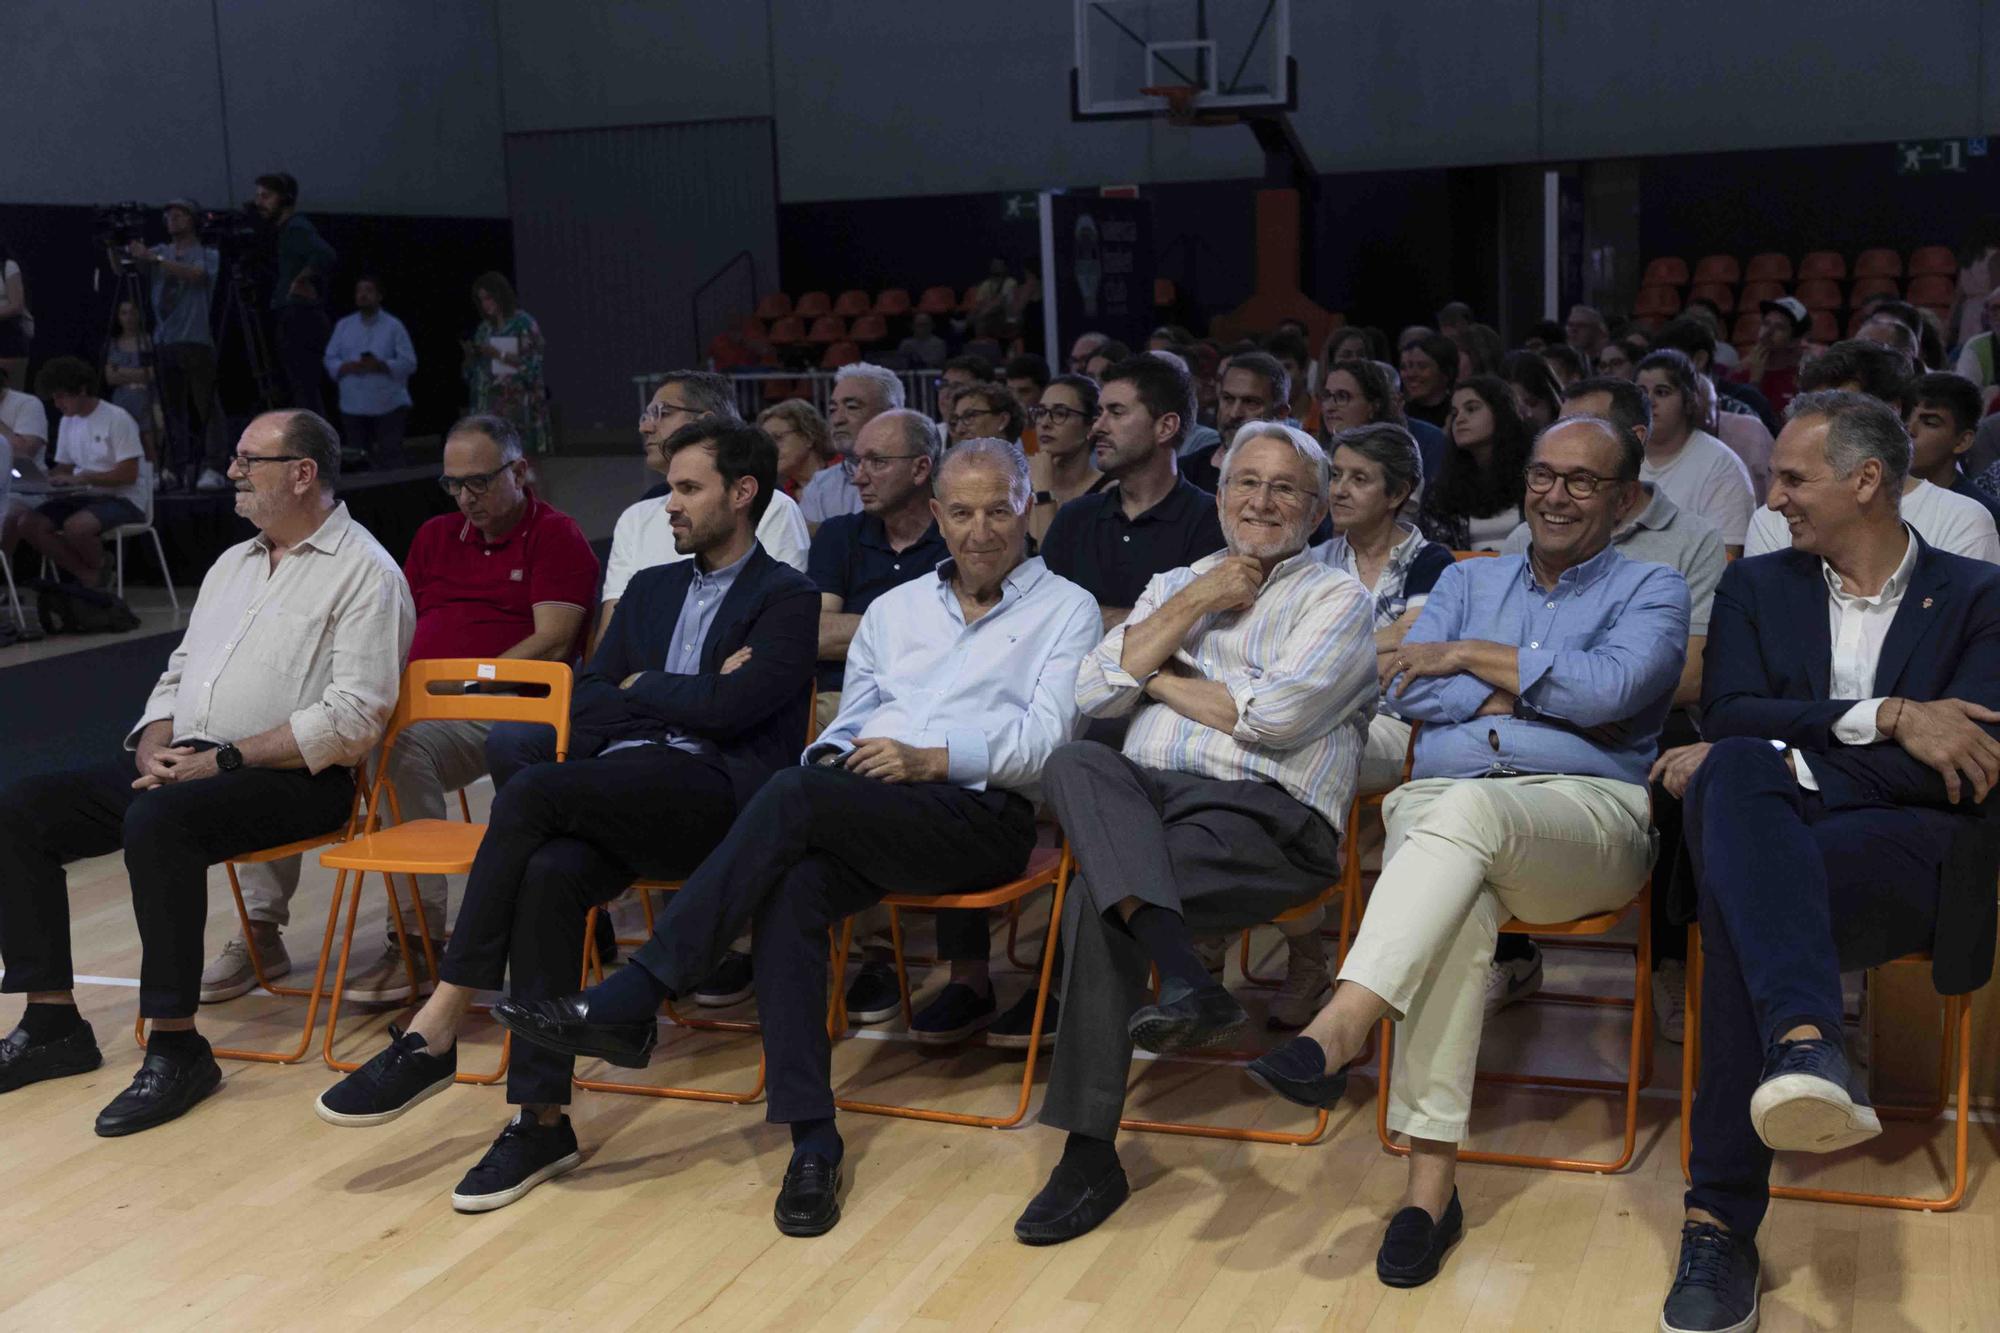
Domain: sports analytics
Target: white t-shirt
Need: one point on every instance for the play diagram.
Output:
(644, 538)
(1486, 534)
(20, 414)
(100, 442)
(1953, 523)
(1708, 479)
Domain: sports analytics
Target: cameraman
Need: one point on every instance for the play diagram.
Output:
(184, 276)
(304, 262)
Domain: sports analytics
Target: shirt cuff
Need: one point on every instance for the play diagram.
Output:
(1857, 725)
(318, 742)
(1803, 772)
(1461, 697)
(967, 763)
(1244, 693)
(818, 750)
(132, 736)
(1532, 666)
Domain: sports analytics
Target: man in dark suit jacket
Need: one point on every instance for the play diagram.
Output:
(696, 695)
(1835, 821)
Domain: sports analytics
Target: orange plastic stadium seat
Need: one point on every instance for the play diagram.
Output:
(726, 351)
(1725, 300)
(1822, 264)
(1932, 289)
(892, 302)
(753, 329)
(1656, 301)
(827, 329)
(1164, 293)
(812, 305)
(970, 299)
(852, 302)
(938, 301)
(775, 305)
(1768, 267)
(788, 332)
(1819, 294)
(1755, 294)
(869, 329)
(1665, 272)
(1878, 263)
(1825, 328)
(1718, 268)
(1931, 259)
(1864, 288)
(839, 354)
(1747, 325)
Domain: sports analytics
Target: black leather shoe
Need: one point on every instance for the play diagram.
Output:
(1070, 1205)
(809, 1200)
(1414, 1246)
(1187, 1019)
(165, 1088)
(564, 1026)
(1296, 1071)
(23, 1062)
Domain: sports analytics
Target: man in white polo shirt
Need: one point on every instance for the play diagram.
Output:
(97, 476)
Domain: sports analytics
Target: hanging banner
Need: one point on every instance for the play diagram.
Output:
(1097, 271)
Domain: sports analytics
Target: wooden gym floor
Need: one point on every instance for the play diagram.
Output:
(250, 1213)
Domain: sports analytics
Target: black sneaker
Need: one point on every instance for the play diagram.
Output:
(728, 984)
(873, 995)
(526, 1153)
(1010, 1031)
(957, 1013)
(1715, 1284)
(23, 1061)
(1187, 1019)
(1806, 1103)
(390, 1084)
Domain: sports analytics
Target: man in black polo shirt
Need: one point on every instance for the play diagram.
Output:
(1149, 520)
(1254, 387)
(855, 559)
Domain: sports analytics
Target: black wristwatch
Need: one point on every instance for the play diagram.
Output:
(228, 758)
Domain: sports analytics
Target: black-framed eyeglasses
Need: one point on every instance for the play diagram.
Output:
(1338, 397)
(961, 420)
(475, 484)
(1580, 485)
(1058, 415)
(252, 460)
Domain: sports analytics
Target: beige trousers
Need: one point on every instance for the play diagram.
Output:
(1462, 855)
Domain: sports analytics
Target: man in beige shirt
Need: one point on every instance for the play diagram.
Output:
(283, 682)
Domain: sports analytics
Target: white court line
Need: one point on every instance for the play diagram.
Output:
(107, 981)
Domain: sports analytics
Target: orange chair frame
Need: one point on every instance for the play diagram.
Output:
(1956, 1048)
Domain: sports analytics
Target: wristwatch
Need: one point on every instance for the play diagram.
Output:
(228, 758)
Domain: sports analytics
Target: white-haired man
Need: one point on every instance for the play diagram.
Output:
(862, 393)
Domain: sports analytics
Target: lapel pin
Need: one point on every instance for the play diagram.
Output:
(1927, 604)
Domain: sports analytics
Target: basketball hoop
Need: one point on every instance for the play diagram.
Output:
(1179, 98)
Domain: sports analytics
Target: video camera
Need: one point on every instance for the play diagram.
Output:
(117, 225)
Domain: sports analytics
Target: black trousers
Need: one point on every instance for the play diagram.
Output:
(814, 846)
(380, 437)
(187, 392)
(561, 839)
(171, 836)
(303, 329)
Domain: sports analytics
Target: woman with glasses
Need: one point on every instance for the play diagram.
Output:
(1620, 357)
(1064, 467)
(503, 363)
(986, 410)
(1476, 500)
(805, 444)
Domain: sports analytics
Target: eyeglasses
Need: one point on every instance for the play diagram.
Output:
(252, 460)
(1283, 492)
(1580, 485)
(661, 411)
(1338, 397)
(474, 485)
(964, 419)
(876, 462)
(1058, 415)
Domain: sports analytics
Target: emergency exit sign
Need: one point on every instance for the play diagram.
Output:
(1924, 157)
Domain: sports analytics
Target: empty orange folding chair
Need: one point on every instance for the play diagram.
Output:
(1768, 267)
(1932, 260)
(1718, 268)
(1665, 272)
(811, 305)
(1822, 264)
(1878, 263)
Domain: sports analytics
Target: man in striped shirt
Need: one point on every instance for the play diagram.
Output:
(1252, 672)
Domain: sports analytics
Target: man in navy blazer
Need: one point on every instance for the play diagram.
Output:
(697, 694)
(1835, 820)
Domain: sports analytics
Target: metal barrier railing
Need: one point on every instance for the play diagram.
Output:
(753, 388)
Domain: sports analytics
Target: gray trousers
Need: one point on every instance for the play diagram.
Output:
(1225, 855)
(430, 760)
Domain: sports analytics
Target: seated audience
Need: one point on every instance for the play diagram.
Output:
(692, 701)
(1699, 340)
(1251, 673)
(1850, 699)
(1292, 353)
(1354, 343)
(1085, 347)
(1064, 467)
(1026, 376)
(1698, 472)
(1255, 386)
(508, 575)
(1943, 417)
(1565, 363)
(1558, 712)
(1429, 368)
(805, 445)
(862, 393)
(959, 688)
(1976, 358)
(97, 477)
(1772, 366)
(1586, 332)
(1107, 355)
(1928, 329)
(250, 740)
(987, 411)
(1707, 315)
(1619, 358)
(1537, 396)
(923, 349)
(1481, 350)
(1542, 335)
(1476, 500)
(24, 440)
(1899, 337)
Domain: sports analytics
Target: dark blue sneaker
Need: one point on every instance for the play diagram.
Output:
(1806, 1102)
(873, 996)
(1715, 1283)
(1010, 1031)
(957, 1013)
(526, 1153)
(730, 982)
(390, 1084)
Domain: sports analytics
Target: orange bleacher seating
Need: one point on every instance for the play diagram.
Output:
(969, 300)
(1768, 267)
(1746, 328)
(776, 390)
(1822, 264)
(1819, 294)
(1933, 259)
(729, 352)
(1864, 288)
(775, 305)
(1825, 328)
(753, 329)
(812, 305)
(839, 354)
(1665, 272)
(1656, 301)
(852, 302)
(788, 332)
(895, 301)
(938, 301)
(1878, 264)
(827, 329)
(1164, 293)
(1718, 268)
(869, 329)
(1756, 293)
(1932, 289)
(1725, 300)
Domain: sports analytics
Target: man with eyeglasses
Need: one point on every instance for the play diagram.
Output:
(1541, 681)
(507, 576)
(862, 393)
(281, 686)
(1254, 387)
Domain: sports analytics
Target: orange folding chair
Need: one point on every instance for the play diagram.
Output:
(437, 846)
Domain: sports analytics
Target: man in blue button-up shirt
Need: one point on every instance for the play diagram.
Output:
(959, 686)
(1541, 681)
(371, 358)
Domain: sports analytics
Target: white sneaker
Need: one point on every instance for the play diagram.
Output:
(1298, 1001)
(211, 480)
(1512, 980)
(229, 973)
(1670, 999)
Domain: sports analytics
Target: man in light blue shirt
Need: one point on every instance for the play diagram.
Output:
(371, 358)
(1541, 682)
(184, 277)
(959, 687)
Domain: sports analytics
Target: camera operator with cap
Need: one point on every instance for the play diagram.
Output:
(298, 298)
(184, 277)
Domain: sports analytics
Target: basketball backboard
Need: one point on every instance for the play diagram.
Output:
(1235, 54)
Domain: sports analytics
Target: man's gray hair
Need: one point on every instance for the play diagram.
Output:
(310, 435)
(1004, 458)
(1174, 359)
(921, 435)
(506, 436)
(883, 378)
(1859, 427)
(708, 394)
(1302, 444)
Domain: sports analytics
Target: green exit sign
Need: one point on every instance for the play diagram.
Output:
(1923, 157)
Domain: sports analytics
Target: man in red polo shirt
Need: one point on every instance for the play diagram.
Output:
(507, 576)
